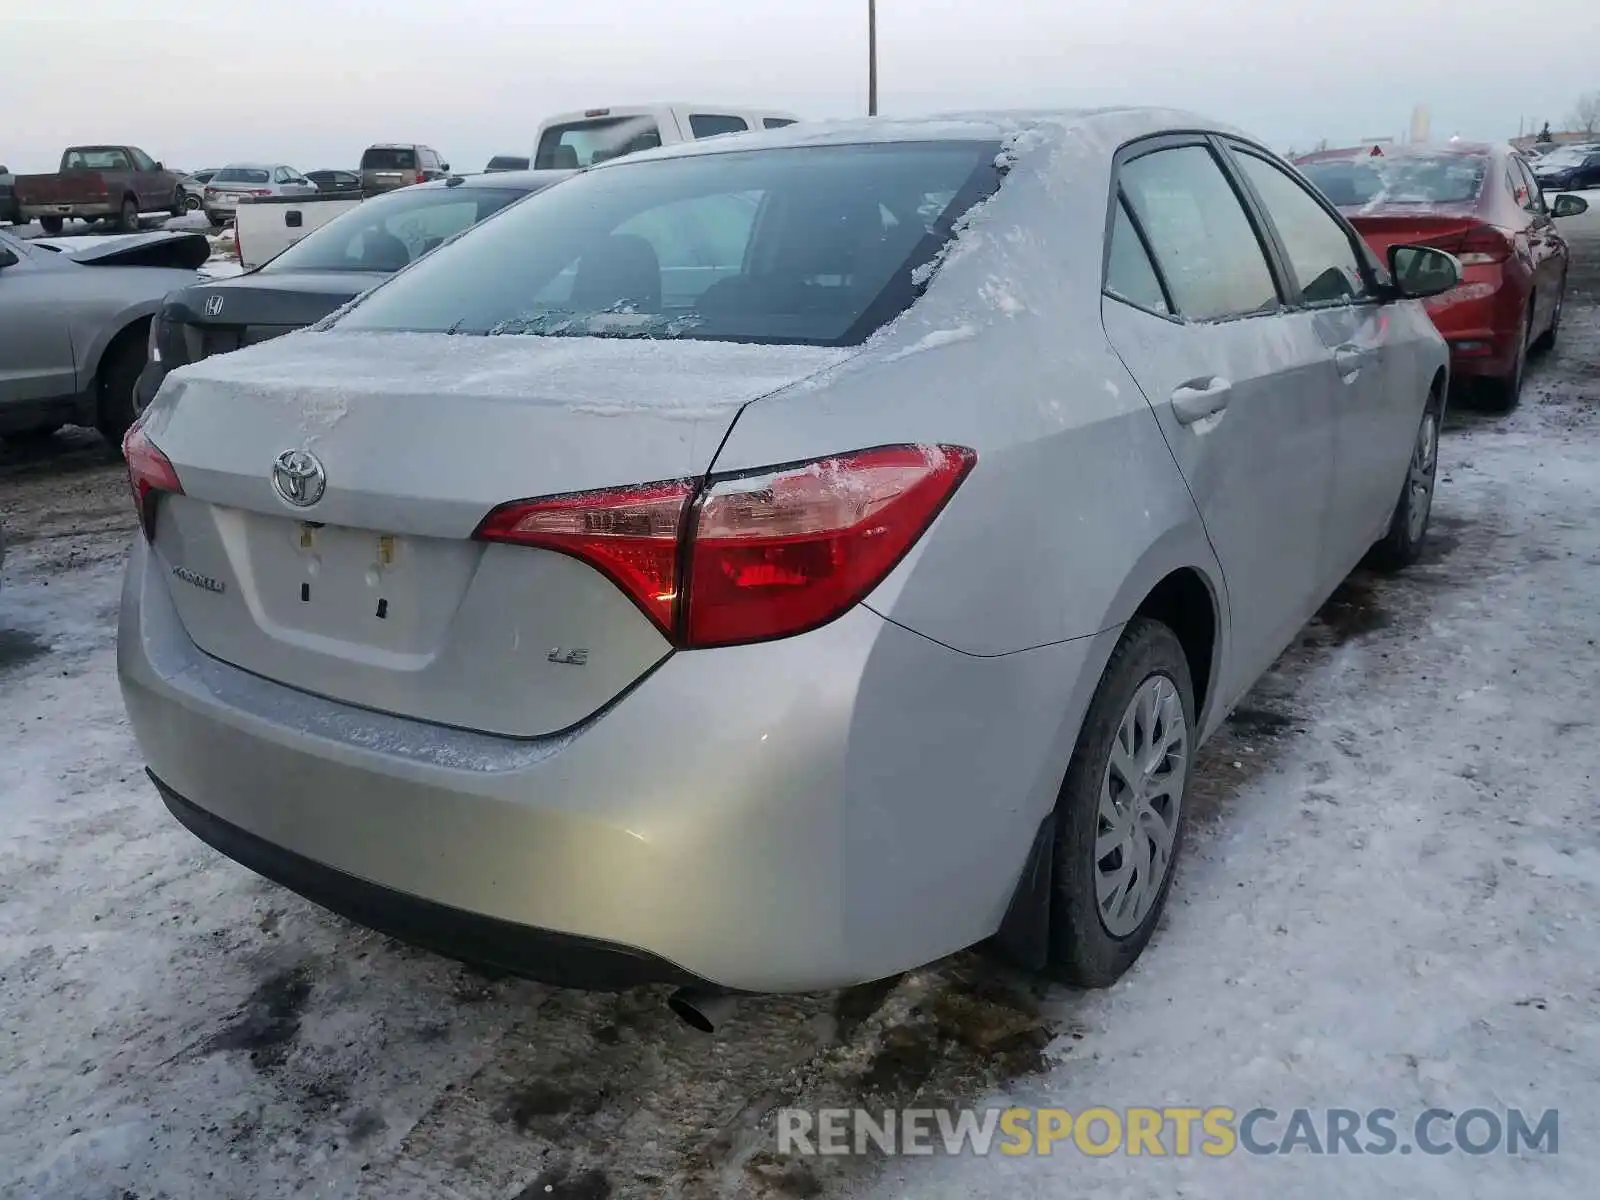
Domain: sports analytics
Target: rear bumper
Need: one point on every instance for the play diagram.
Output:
(555, 958)
(793, 816)
(82, 212)
(1480, 321)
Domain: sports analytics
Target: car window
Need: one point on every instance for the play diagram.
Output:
(241, 175)
(1415, 177)
(1321, 254)
(704, 125)
(1129, 275)
(107, 158)
(1204, 243)
(388, 232)
(143, 161)
(776, 122)
(584, 143)
(280, 175)
(389, 158)
(817, 245)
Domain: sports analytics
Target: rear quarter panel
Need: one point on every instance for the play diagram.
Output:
(113, 299)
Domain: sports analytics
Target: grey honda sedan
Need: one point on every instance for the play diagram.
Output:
(778, 561)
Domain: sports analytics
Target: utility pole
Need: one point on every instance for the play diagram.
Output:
(872, 58)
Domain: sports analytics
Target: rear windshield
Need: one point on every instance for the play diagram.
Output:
(380, 158)
(1407, 179)
(808, 245)
(391, 231)
(1566, 156)
(507, 162)
(584, 143)
(241, 175)
(91, 158)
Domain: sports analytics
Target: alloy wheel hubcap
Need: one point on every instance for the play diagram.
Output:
(1141, 795)
(1424, 466)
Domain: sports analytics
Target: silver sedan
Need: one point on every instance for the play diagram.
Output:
(227, 187)
(778, 561)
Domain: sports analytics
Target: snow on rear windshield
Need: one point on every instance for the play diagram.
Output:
(1373, 180)
(816, 245)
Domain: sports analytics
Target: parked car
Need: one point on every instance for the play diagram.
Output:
(1482, 204)
(10, 214)
(336, 183)
(194, 187)
(98, 182)
(507, 162)
(238, 180)
(580, 139)
(390, 165)
(1569, 168)
(332, 265)
(73, 323)
(698, 573)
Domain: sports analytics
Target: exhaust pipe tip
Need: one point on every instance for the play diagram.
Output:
(701, 1010)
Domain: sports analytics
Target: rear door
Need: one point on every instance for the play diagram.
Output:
(1242, 387)
(1379, 396)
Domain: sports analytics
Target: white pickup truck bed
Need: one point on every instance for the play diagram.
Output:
(266, 226)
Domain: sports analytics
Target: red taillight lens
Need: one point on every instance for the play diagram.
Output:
(238, 249)
(150, 473)
(1481, 244)
(629, 533)
(422, 177)
(782, 552)
(763, 555)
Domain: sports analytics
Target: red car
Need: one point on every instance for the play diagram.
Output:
(1482, 204)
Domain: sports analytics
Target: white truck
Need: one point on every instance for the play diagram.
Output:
(266, 226)
(581, 139)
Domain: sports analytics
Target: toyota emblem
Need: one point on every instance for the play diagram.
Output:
(298, 478)
(213, 304)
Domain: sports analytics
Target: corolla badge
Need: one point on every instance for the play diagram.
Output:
(213, 304)
(298, 478)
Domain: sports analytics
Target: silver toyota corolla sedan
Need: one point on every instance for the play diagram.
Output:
(780, 560)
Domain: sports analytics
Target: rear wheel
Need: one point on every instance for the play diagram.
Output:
(128, 217)
(1506, 392)
(191, 203)
(119, 379)
(1547, 340)
(1402, 545)
(1120, 815)
(52, 225)
(217, 220)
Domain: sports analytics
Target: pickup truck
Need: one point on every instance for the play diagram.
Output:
(581, 139)
(8, 198)
(266, 226)
(96, 182)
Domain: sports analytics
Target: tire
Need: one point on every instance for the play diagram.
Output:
(52, 225)
(1547, 339)
(191, 203)
(1088, 947)
(128, 217)
(119, 376)
(180, 201)
(217, 220)
(1506, 393)
(1408, 527)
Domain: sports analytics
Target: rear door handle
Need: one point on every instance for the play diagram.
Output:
(1349, 360)
(1200, 398)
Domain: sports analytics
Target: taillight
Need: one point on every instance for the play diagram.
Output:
(238, 249)
(211, 193)
(787, 550)
(150, 474)
(1480, 245)
(422, 177)
(631, 534)
(754, 556)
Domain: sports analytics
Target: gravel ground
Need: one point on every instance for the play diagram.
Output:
(1394, 859)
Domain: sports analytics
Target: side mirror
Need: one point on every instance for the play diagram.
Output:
(8, 257)
(1568, 206)
(444, 166)
(1421, 271)
(160, 167)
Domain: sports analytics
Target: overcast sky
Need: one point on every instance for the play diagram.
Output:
(312, 83)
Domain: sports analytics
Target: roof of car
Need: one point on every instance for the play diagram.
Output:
(527, 180)
(1121, 123)
(1403, 150)
(252, 166)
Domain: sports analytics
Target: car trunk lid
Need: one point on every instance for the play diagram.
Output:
(376, 594)
(1439, 226)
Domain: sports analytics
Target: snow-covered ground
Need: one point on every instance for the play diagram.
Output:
(1389, 901)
